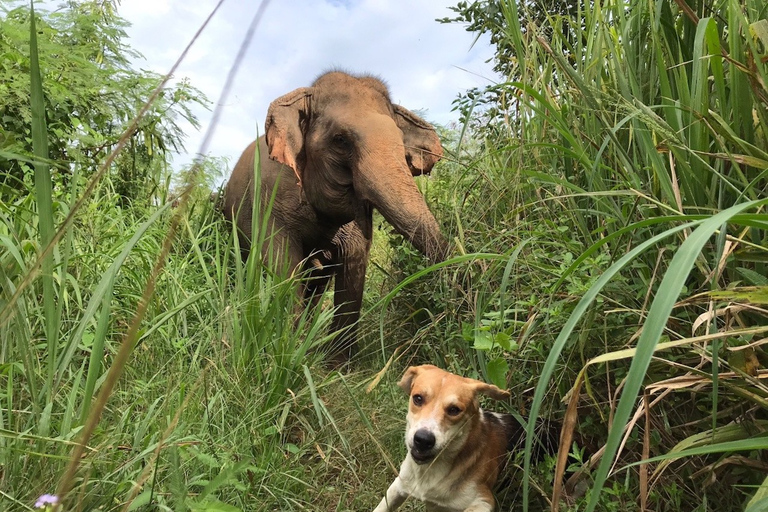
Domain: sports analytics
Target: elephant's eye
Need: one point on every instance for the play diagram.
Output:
(341, 141)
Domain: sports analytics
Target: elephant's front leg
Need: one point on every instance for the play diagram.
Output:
(319, 271)
(353, 244)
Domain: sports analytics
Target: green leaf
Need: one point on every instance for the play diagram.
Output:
(213, 506)
(86, 341)
(497, 371)
(44, 197)
(720, 435)
(468, 331)
(141, 500)
(206, 459)
(503, 340)
(760, 505)
(483, 340)
(313, 395)
(753, 294)
(759, 502)
(754, 278)
(759, 30)
(742, 445)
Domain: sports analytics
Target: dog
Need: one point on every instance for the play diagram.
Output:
(456, 450)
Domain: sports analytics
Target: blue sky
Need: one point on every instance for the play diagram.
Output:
(425, 63)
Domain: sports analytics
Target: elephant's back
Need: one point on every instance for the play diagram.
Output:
(239, 188)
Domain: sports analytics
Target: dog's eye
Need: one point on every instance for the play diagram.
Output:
(453, 410)
(418, 399)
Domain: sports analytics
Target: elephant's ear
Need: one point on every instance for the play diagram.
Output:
(284, 128)
(422, 145)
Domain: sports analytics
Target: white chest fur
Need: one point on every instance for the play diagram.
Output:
(435, 484)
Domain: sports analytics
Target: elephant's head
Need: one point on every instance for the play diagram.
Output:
(352, 148)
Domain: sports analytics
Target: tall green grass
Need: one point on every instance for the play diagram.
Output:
(620, 178)
(610, 241)
(44, 195)
(148, 364)
(632, 165)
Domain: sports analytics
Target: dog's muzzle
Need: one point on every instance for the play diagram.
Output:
(423, 445)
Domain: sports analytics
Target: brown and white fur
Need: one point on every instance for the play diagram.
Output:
(455, 449)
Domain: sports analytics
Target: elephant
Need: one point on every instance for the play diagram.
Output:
(331, 153)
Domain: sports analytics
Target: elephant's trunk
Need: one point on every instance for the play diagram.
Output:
(387, 183)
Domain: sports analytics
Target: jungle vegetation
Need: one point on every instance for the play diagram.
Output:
(606, 203)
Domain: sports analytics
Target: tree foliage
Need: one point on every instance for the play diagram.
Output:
(491, 104)
(489, 17)
(92, 92)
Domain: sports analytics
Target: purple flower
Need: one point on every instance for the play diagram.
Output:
(47, 500)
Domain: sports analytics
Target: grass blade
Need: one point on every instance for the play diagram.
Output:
(565, 333)
(44, 196)
(666, 296)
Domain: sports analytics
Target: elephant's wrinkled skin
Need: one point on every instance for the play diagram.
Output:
(351, 149)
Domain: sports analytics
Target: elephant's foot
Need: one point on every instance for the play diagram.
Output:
(342, 349)
(338, 361)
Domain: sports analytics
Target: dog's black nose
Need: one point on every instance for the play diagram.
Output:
(423, 440)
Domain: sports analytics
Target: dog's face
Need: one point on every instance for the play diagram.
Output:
(443, 409)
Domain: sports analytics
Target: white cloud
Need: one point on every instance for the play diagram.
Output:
(296, 41)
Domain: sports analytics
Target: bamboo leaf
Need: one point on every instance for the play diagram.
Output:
(44, 196)
(759, 502)
(669, 289)
(753, 294)
(755, 443)
(726, 433)
(554, 355)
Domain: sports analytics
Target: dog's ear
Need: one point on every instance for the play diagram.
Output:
(491, 391)
(410, 374)
(407, 380)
